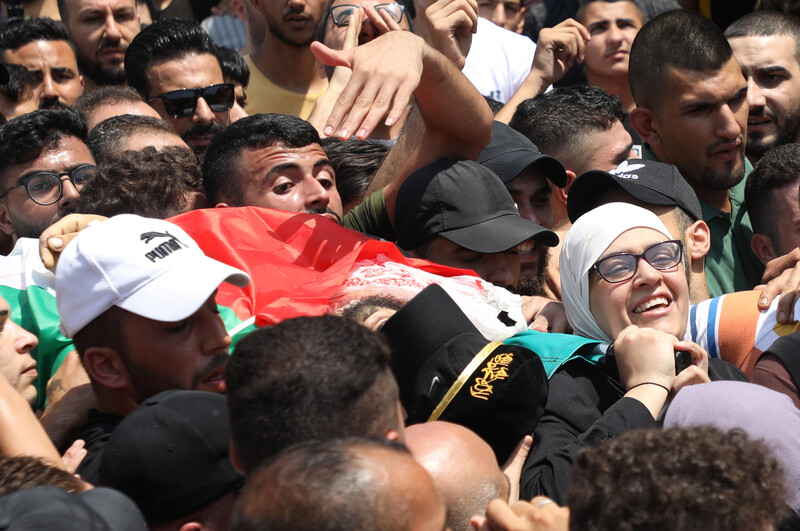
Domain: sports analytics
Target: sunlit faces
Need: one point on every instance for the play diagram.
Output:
(291, 179)
(501, 269)
(16, 363)
(56, 79)
(101, 31)
(293, 22)
(508, 14)
(613, 26)
(189, 71)
(605, 150)
(531, 193)
(334, 35)
(701, 126)
(18, 213)
(773, 90)
(651, 299)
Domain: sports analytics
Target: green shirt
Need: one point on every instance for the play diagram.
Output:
(370, 217)
(730, 263)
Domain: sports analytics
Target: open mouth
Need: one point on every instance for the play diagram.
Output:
(215, 382)
(656, 303)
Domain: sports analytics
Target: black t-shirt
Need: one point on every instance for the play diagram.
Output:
(96, 433)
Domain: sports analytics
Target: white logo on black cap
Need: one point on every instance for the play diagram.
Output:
(623, 171)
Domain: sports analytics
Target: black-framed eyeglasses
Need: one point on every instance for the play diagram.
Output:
(182, 103)
(341, 14)
(45, 187)
(621, 267)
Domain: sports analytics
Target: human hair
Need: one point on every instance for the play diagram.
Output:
(102, 331)
(359, 310)
(674, 40)
(777, 168)
(285, 492)
(24, 471)
(105, 95)
(355, 163)
(676, 478)
(585, 3)
(766, 24)
(18, 33)
(151, 183)
(559, 121)
(109, 137)
(308, 378)
(24, 138)
(164, 41)
(234, 67)
(221, 171)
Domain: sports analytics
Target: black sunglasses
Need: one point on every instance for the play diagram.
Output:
(182, 103)
(46, 187)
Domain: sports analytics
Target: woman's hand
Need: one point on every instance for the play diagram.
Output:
(696, 373)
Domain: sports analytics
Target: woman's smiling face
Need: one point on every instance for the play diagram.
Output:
(650, 299)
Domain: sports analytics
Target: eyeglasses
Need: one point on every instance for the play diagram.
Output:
(621, 267)
(341, 14)
(182, 103)
(45, 187)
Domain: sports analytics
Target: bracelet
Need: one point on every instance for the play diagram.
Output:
(664, 387)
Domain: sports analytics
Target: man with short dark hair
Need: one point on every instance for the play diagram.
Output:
(130, 132)
(43, 47)
(45, 164)
(767, 46)
(692, 112)
(174, 66)
(771, 195)
(236, 71)
(113, 100)
(509, 14)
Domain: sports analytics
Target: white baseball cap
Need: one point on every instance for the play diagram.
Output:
(146, 266)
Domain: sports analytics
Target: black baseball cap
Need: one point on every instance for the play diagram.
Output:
(170, 455)
(446, 370)
(652, 182)
(510, 153)
(466, 203)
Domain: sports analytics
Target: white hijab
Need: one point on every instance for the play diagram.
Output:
(585, 242)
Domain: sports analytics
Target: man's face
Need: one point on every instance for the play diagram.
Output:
(16, 363)
(188, 354)
(237, 111)
(189, 71)
(787, 216)
(531, 193)
(291, 179)
(293, 22)
(773, 90)
(613, 26)
(334, 35)
(56, 81)
(508, 14)
(702, 125)
(501, 269)
(605, 150)
(101, 31)
(19, 214)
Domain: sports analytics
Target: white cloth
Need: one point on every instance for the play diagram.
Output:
(498, 61)
(586, 241)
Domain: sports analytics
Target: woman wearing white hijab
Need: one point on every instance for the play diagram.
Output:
(623, 281)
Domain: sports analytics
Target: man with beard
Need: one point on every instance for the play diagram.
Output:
(283, 71)
(137, 297)
(767, 46)
(101, 31)
(43, 47)
(45, 164)
(692, 112)
(174, 66)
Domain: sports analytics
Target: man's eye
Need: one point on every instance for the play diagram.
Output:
(326, 183)
(283, 188)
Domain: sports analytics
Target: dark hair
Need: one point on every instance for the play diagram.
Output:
(23, 472)
(221, 165)
(308, 378)
(355, 163)
(676, 39)
(164, 41)
(777, 168)
(285, 492)
(584, 3)
(678, 478)
(20, 81)
(151, 183)
(109, 136)
(359, 310)
(556, 121)
(18, 33)
(766, 24)
(105, 95)
(234, 66)
(23, 138)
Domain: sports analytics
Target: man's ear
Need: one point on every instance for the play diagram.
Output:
(563, 192)
(5, 220)
(105, 367)
(644, 122)
(235, 461)
(700, 240)
(762, 247)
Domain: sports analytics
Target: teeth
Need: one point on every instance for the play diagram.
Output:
(526, 247)
(658, 301)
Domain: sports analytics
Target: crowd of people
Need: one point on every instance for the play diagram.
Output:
(395, 265)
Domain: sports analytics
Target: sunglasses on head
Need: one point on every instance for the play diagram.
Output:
(182, 103)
